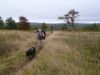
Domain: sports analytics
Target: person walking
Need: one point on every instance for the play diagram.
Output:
(44, 34)
(40, 36)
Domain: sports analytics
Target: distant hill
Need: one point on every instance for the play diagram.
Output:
(58, 26)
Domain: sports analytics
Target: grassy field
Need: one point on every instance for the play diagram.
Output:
(64, 53)
(13, 45)
(68, 53)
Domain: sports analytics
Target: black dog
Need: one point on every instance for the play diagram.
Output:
(31, 53)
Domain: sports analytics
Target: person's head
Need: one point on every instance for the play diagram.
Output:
(39, 30)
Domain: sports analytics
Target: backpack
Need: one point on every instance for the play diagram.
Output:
(41, 35)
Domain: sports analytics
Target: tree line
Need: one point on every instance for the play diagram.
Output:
(10, 23)
(23, 24)
(69, 18)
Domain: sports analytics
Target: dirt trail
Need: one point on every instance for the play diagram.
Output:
(29, 63)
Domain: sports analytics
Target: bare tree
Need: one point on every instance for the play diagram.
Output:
(70, 17)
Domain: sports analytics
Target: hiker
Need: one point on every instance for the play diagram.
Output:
(44, 34)
(41, 37)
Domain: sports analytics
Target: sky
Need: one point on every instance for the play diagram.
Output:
(49, 10)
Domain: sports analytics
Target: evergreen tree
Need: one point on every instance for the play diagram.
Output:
(44, 26)
(11, 24)
(1, 23)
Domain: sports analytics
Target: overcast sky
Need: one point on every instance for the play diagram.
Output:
(49, 10)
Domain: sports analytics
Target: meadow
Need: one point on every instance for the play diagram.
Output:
(64, 53)
(13, 45)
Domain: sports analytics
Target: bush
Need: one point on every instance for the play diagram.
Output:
(91, 27)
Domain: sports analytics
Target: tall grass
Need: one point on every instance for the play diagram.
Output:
(12, 40)
(88, 44)
(68, 53)
(64, 53)
(13, 45)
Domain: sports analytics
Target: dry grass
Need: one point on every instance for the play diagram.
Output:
(64, 53)
(13, 45)
(13, 40)
(68, 53)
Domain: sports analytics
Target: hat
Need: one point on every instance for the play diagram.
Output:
(39, 29)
